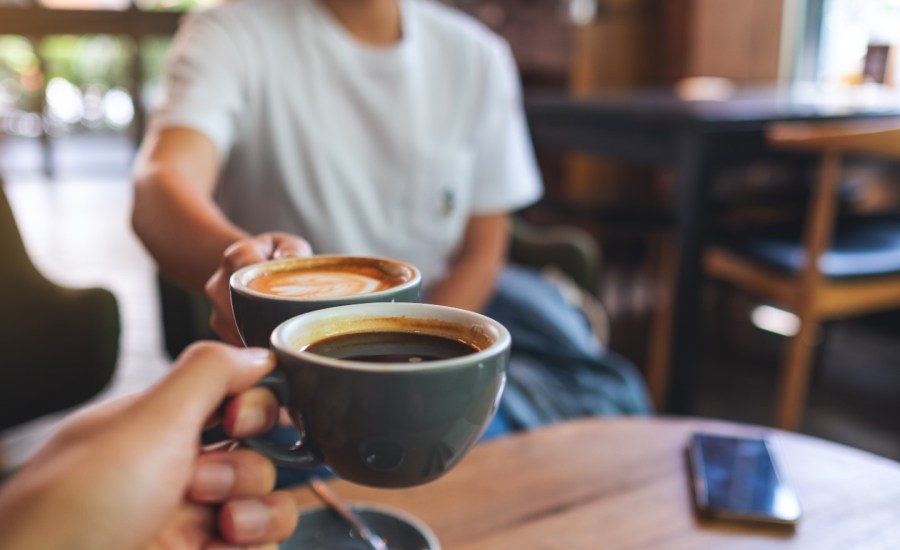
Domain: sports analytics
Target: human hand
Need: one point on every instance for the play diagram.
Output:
(131, 474)
(266, 246)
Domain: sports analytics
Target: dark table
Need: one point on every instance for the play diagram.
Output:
(659, 128)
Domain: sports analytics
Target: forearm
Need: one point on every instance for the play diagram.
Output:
(470, 282)
(469, 285)
(184, 232)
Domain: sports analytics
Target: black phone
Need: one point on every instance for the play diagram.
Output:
(736, 478)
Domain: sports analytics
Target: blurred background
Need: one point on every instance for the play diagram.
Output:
(78, 78)
(84, 67)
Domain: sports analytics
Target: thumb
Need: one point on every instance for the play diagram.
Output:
(203, 376)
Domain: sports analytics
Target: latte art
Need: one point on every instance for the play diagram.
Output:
(318, 284)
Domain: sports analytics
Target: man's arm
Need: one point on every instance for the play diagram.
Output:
(482, 253)
(174, 214)
(192, 241)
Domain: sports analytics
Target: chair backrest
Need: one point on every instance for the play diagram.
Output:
(879, 138)
(60, 344)
(18, 268)
(571, 249)
(185, 316)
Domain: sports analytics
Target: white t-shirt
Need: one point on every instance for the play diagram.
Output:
(361, 150)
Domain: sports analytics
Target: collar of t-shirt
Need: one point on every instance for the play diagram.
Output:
(379, 58)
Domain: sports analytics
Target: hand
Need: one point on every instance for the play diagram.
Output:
(130, 473)
(266, 246)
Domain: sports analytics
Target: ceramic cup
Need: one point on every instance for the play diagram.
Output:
(265, 294)
(391, 415)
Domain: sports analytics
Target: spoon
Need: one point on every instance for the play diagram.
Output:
(321, 489)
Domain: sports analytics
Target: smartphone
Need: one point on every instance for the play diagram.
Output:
(736, 478)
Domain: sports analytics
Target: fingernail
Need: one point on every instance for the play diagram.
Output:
(251, 518)
(212, 481)
(259, 356)
(250, 420)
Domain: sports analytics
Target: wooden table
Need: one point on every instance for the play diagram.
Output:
(660, 128)
(622, 483)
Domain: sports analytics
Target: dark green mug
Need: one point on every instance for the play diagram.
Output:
(376, 399)
(265, 294)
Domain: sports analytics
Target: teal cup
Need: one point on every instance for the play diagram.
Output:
(376, 399)
(265, 294)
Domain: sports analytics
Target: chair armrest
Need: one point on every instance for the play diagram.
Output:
(569, 248)
(876, 137)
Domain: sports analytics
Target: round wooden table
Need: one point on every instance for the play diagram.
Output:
(622, 483)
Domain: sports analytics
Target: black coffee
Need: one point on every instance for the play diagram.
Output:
(391, 347)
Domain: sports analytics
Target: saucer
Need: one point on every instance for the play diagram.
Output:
(323, 529)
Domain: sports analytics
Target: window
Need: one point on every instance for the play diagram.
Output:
(859, 41)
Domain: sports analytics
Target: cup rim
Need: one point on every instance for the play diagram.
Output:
(238, 280)
(280, 339)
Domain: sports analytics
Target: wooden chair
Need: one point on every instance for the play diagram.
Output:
(837, 268)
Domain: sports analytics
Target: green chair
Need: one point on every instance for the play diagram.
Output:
(185, 316)
(59, 344)
(568, 257)
(568, 248)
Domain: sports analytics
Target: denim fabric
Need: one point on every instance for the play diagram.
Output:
(558, 369)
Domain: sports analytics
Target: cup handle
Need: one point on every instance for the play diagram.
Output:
(295, 455)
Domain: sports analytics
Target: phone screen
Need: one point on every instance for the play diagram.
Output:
(736, 478)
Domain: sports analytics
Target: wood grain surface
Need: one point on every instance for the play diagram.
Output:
(622, 483)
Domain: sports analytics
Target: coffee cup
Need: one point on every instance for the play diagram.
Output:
(268, 293)
(387, 394)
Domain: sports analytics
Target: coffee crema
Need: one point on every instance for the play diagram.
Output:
(391, 347)
(325, 283)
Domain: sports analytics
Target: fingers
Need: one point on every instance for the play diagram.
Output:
(218, 292)
(221, 476)
(284, 419)
(247, 252)
(259, 520)
(221, 320)
(242, 253)
(266, 246)
(286, 246)
(224, 326)
(250, 413)
(203, 376)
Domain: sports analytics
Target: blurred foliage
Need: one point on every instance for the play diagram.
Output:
(84, 60)
(174, 5)
(20, 77)
(93, 64)
(17, 55)
(154, 50)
